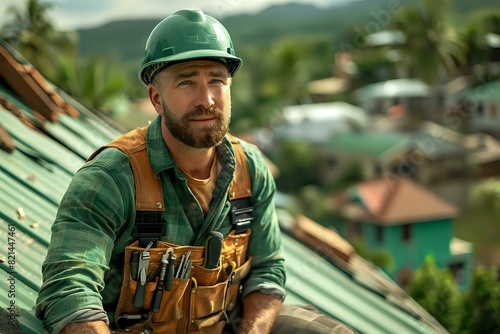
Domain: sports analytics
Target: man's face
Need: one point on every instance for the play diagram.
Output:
(195, 102)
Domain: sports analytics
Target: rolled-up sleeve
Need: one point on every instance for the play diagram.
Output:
(268, 269)
(81, 245)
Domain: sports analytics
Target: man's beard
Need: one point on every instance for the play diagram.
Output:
(201, 137)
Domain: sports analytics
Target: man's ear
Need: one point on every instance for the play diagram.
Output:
(155, 98)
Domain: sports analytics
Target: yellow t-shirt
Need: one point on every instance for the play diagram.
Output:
(203, 188)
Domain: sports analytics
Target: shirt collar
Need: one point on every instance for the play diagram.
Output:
(158, 154)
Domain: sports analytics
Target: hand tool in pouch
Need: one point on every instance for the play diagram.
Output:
(142, 276)
(159, 287)
(213, 249)
(186, 265)
(169, 277)
(134, 264)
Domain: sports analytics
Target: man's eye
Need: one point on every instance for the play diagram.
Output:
(185, 82)
(217, 81)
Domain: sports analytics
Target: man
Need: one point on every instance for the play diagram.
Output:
(188, 67)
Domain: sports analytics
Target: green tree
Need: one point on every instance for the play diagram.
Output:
(297, 164)
(475, 36)
(288, 76)
(482, 302)
(315, 204)
(32, 33)
(436, 291)
(431, 44)
(479, 222)
(380, 258)
(95, 81)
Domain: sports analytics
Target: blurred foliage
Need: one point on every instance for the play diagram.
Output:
(283, 47)
(94, 81)
(380, 258)
(297, 165)
(481, 304)
(427, 27)
(436, 291)
(479, 221)
(315, 203)
(31, 32)
(474, 311)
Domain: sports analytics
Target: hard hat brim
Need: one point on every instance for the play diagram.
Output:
(233, 63)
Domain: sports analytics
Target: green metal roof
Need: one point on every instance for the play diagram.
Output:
(34, 177)
(487, 91)
(314, 280)
(387, 145)
(367, 143)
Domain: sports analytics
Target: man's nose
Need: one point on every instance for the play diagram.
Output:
(205, 97)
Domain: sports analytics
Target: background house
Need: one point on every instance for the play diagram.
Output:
(433, 155)
(315, 123)
(405, 101)
(409, 222)
(480, 107)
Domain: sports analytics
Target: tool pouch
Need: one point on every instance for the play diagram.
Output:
(198, 304)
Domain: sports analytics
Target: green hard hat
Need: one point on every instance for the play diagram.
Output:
(187, 35)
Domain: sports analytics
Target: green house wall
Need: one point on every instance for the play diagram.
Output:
(425, 238)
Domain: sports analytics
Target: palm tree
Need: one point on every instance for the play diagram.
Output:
(95, 81)
(430, 44)
(483, 24)
(289, 72)
(31, 32)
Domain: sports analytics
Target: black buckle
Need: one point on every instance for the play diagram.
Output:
(241, 218)
(148, 227)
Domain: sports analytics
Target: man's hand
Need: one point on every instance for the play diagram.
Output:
(91, 327)
(259, 313)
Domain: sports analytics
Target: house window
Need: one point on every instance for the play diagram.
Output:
(406, 232)
(379, 234)
(458, 271)
(480, 109)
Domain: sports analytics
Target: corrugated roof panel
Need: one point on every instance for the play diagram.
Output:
(32, 236)
(335, 293)
(42, 145)
(39, 211)
(24, 303)
(44, 178)
(76, 136)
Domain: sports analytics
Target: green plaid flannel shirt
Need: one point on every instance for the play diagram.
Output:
(84, 265)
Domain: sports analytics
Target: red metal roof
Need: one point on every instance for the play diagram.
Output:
(393, 200)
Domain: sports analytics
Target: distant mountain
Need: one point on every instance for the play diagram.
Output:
(125, 40)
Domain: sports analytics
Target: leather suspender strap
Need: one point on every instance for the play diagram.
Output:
(149, 202)
(149, 197)
(242, 184)
(240, 190)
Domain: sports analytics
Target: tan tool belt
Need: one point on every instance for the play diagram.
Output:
(198, 304)
(201, 302)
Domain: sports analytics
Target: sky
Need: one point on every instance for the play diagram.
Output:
(73, 14)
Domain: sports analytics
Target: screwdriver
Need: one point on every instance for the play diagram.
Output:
(159, 287)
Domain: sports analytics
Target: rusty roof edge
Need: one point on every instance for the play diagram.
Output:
(6, 141)
(28, 82)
